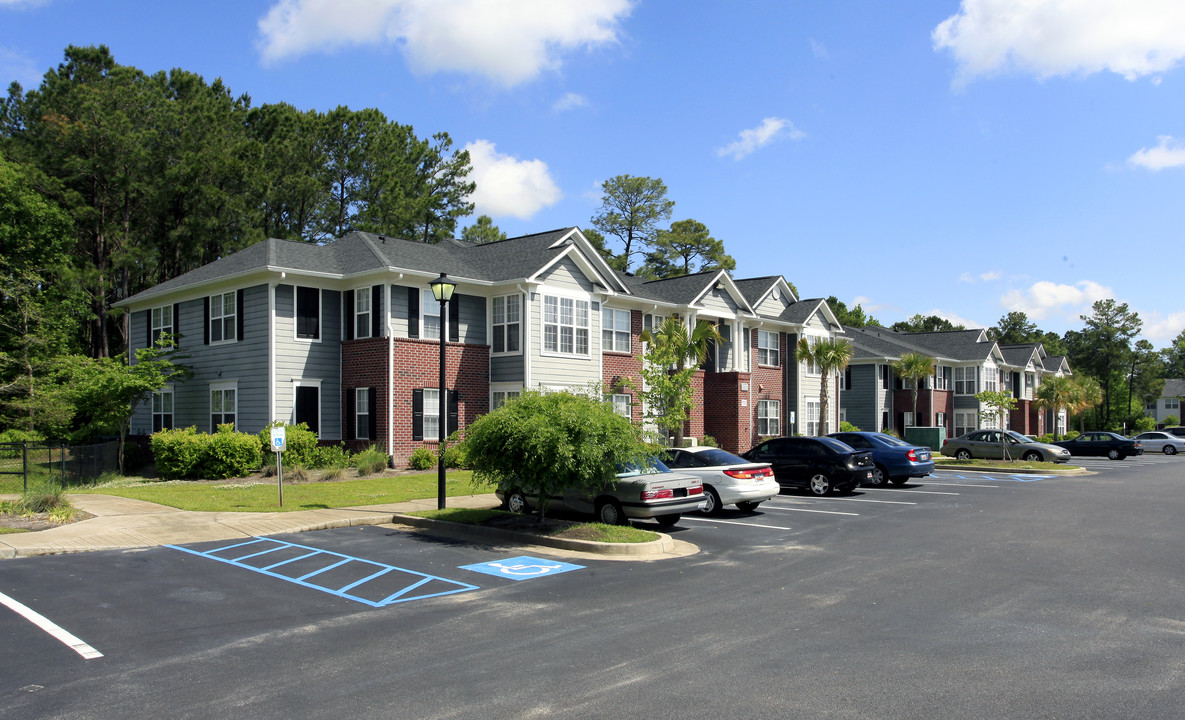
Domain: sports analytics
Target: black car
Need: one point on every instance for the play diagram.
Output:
(821, 464)
(1102, 444)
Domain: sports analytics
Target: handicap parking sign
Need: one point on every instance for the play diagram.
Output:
(522, 567)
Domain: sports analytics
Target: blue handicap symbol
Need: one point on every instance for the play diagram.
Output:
(523, 567)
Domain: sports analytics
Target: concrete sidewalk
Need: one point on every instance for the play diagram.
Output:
(122, 523)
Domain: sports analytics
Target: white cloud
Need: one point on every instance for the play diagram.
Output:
(17, 66)
(989, 276)
(819, 50)
(1132, 38)
(771, 129)
(570, 101)
(507, 41)
(954, 318)
(1169, 153)
(22, 4)
(507, 186)
(1161, 328)
(1045, 299)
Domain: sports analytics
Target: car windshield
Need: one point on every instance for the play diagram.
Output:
(716, 456)
(1017, 436)
(835, 445)
(649, 466)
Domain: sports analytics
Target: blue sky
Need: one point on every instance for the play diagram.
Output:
(954, 158)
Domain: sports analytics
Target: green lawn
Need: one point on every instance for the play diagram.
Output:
(264, 497)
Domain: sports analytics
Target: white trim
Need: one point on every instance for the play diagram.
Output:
(301, 382)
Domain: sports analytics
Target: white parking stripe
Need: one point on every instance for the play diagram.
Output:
(940, 482)
(795, 509)
(883, 502)
(42, 622)
(911, 491)
(733, 522)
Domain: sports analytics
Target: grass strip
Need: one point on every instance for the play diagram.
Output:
(596, 532)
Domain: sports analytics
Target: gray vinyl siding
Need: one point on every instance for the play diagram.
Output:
(399, 310)
(309, 361)
(864, 401)
(719, 301)
(790, 373)
(771, 307)
(965, 402)
(507, 368)
(567, 274)
(472, 318)
(564, 370)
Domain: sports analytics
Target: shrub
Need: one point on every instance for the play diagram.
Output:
(422, 459)
(1170, 421)
(333, 457)
(300, 443)
(708, 441)
(370, 461)
(15, 436)
(186, 453)
(454, 451)
(178, 452)
(845, 426)
(1142, 424)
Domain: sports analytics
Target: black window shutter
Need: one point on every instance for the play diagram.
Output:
(413, 312)
(349, 307)
(206, 320)
(454, 414)
(351, 417)
(240, 314)
(376, 304)
(454, 318)
(148, 324)
(372, 396)
(176, 324)
(417, 414)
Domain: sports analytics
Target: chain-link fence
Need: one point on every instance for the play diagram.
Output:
(63, 464)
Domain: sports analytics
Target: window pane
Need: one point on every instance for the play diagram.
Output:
(512, 337)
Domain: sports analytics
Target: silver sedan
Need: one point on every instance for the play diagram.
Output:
(728, 479)
(1159, 441)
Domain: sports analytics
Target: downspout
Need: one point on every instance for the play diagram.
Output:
(390, 296)
(271, 348)
(526, 336)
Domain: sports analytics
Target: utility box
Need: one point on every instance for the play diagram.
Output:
(931, 437)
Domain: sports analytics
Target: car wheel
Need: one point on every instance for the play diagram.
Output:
(516, 503)
(747, 506)
(609, 512)
(1032, 456)
(879, 476)
(668, 520)
(963, 454)
(1114, 454)
(820, 484)
(712, 501)
(1170, 450)
(899, 480)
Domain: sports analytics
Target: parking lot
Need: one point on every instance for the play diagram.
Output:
(961, 595)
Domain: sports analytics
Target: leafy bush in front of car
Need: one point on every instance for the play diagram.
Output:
(845, 426)
(1170, 421)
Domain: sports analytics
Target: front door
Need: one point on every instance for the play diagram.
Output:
(308, 407)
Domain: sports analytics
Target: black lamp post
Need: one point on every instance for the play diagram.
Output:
(442, 290)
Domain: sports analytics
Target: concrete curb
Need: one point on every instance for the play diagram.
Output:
(1075, 470)
(665, 545)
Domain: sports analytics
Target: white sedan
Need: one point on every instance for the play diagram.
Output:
(1157, 440)
(728, 479)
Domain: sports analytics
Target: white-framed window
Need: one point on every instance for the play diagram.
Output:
(769, 414)
(223, 404)
(650, 321)
(362, 412)
(431, 413)
(223, 317)
(1172, 403)
(843, 415)
(162, 321)
(965, 381)
(991, 379)
(430, 325)
(1030, 383)
(162, 409)
(907, 417)
(811, 417)
(362, 312)
(615, 330)
(812, 368)
(498, 398)
(964, 423)
(507, 311)
(940, 419)
(768, 350)
(623, 405)
(565, 325)
(308, 313)
(942, 377)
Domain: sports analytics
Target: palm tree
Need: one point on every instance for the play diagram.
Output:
(832, 355)
(912, 368)
(1087, 394)
(675, 346)
(1054, 394)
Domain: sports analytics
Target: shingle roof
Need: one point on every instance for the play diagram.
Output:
(1173, 387)
(754, 288)
(800, 312)
(868, 345)
(679, 290)
(1020, 354)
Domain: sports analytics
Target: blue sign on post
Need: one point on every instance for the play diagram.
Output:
(522, 567)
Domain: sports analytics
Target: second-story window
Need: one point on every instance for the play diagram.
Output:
(565, 325)
(430, 317)
(162, 321)
(615, 330)
(308, 313)
(965, 381)
(768, 352)
(223, 317)
(507, 321)
(362, 313)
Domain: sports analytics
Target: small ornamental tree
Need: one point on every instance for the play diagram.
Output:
(672, 357)
(541, 443)
(998, 402)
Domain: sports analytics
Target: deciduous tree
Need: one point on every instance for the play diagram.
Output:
(631, 210)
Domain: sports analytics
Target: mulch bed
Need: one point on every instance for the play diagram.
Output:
(33, 523)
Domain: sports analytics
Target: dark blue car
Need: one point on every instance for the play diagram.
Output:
(896, 460)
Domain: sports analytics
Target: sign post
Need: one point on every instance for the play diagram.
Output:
(278, 443)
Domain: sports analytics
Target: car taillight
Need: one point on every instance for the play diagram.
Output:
(658, 494)
(912, 455)
(695, 490)
(749, 474)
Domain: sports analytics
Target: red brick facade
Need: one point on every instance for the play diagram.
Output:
(618, 367)
(416, 366)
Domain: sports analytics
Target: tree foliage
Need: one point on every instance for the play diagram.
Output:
(673, 355)
(831, 355)
(543, 443)
(926, 323)
(686, 248)
(1103, 350)
(999, 403)
(631, 210)
(853, 317)
(483, 230)
(912, 368)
